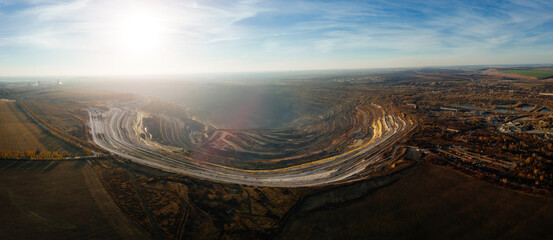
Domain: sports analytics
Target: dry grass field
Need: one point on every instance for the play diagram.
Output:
(65, 108)
(495, 72)
(19, 133)
(431, 202)
(71, 95)
(56, 200)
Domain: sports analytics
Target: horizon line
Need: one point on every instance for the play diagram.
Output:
(172, 75)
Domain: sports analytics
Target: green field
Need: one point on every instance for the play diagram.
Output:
(532, 73)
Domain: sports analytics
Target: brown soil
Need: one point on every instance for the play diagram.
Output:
(49, 200)
(431, 202)
(19, 133)
(494, 72)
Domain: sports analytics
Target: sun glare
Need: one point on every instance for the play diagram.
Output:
(139, 31)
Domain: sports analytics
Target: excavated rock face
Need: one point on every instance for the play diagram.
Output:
(334, 148)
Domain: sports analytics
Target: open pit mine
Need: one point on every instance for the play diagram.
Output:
(342, 146)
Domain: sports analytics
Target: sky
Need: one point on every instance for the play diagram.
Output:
(171, 37)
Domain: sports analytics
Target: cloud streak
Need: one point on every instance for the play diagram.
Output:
(235, 35)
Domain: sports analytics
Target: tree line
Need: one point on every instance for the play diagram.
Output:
(32, 155)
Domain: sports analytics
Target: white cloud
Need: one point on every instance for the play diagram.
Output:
(211, 35)
(83, 22)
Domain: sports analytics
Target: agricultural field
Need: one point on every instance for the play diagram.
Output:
(18, 132)
(57, 199)
(430, 202)
(538, 73)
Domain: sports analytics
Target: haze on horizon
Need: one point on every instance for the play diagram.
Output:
(84, 37)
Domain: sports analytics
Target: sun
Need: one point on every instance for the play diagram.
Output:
(139, 31)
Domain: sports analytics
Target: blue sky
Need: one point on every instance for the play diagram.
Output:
(103, 37)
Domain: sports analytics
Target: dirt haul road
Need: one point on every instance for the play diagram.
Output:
(117, 130)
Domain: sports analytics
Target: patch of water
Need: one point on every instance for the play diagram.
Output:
(469, 107)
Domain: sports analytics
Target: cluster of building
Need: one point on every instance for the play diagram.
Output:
(38, 84)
